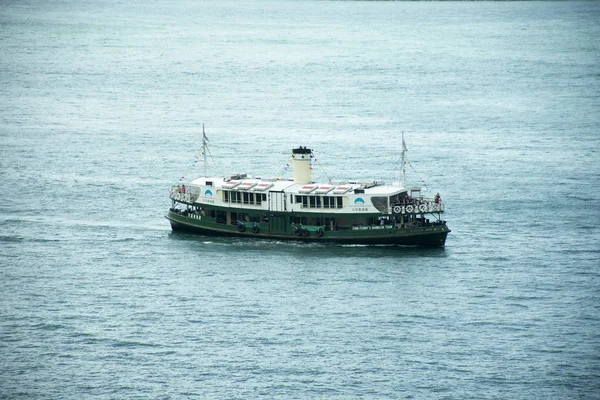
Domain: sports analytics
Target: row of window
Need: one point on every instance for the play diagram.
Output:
(231, 196)
(244, 197)
(319, 201)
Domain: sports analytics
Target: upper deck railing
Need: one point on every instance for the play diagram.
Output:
(418, 207)
(183, 194)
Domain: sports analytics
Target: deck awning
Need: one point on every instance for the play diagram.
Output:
(230, 184)
(246, 185)
(324, 189)
(261, 187)
(342, 189)
(307, 188)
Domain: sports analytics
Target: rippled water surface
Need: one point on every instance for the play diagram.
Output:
(101, 110)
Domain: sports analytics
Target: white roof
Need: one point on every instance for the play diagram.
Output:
(288, 186)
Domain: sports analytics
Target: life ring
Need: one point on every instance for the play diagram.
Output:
(397, 209)
(409, 208)
(319, 232)
(298, 232)
(436, 207)
(241, 227)
(423, 207)
(255, 229)
(304, 232)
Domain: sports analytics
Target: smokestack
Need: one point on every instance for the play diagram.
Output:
(301, 157)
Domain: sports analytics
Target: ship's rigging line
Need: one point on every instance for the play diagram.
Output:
(214, 163)
(414, 170)
(322, 170)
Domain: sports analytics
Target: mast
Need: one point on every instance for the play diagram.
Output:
(204, 144)
(403, 161)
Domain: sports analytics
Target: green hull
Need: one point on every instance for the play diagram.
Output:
(434, 235)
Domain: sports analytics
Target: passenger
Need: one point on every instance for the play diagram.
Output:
(437, 198)
(183, 189)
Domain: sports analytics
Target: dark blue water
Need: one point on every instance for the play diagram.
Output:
(101, 107)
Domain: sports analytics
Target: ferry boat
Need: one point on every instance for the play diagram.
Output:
(350, 212)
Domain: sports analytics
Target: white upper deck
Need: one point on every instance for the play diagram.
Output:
(371, 188)
(243, 192)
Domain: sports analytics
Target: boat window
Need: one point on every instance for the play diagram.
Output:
(304, 201)
(380, 203)
(246, 198)
(299, 220)
(339, 201)
(318, 198)
(209, 183)
(312, 201)
(226, 196)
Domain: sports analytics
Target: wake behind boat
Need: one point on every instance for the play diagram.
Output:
(348, 212)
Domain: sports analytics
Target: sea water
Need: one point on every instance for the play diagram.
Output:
(101, 111)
